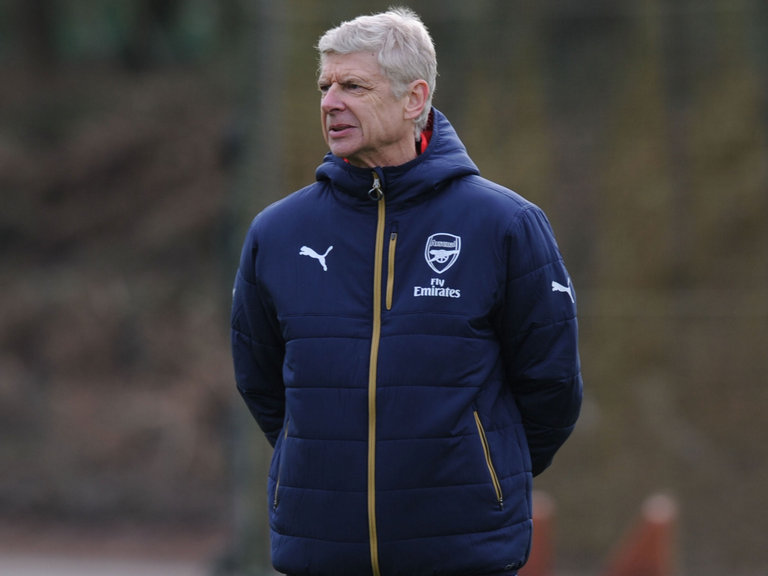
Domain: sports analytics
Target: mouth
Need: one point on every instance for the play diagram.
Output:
(339, 129)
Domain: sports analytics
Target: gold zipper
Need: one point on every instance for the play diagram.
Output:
(489, 461)
(391, 269)
(377, 194)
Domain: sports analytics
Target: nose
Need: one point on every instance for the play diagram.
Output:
(331, 99)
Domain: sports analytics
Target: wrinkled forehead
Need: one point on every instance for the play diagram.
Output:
(364, 65)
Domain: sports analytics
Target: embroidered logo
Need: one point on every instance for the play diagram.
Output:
(307, 251)
(557, 287)
(442, 251)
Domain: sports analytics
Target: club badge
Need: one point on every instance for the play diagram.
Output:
(442, 251)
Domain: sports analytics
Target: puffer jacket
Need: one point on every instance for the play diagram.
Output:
(406, 338)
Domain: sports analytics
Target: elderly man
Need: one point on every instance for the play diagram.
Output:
(404, 332)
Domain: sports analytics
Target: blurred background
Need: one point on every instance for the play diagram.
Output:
(139, 137)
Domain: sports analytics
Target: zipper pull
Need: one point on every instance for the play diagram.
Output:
(376, 193)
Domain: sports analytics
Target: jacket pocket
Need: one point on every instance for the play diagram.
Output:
(489, 460)
(276, 498)
(391, 268)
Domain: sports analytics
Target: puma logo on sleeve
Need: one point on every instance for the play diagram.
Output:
(557, 287)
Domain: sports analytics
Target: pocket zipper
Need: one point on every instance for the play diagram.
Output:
(280, 467)
(489, 461)
(391, 269)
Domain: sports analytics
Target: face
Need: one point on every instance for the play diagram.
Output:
(362, 120)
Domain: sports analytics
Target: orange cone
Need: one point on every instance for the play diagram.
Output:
(541, 560)
(649, 548)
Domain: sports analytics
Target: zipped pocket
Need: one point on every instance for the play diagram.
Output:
(280, 467)
(391, 269)
(489, 460)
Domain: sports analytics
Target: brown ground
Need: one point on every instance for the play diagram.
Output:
(121, 542)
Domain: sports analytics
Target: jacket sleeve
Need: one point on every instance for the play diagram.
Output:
(257, 346)
(539, 335)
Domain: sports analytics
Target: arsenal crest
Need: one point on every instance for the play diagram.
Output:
(442, 251)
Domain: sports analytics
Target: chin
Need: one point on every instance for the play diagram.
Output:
(343, 151)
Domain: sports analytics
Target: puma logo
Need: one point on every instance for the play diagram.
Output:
(307, 251)
(557, 287)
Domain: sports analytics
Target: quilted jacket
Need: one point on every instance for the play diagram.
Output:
(406, 338)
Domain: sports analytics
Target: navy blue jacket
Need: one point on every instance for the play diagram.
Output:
(406, 338)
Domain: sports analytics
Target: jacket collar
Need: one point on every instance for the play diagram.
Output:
(443, 160)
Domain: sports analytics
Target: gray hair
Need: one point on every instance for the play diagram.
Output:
(402, 43)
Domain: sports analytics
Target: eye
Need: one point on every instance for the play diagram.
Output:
(352, 87)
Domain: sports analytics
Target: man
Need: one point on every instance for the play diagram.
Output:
(404, 332)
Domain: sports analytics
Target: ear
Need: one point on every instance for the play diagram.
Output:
(417, 94)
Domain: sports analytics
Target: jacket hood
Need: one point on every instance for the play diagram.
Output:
(444, 159)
